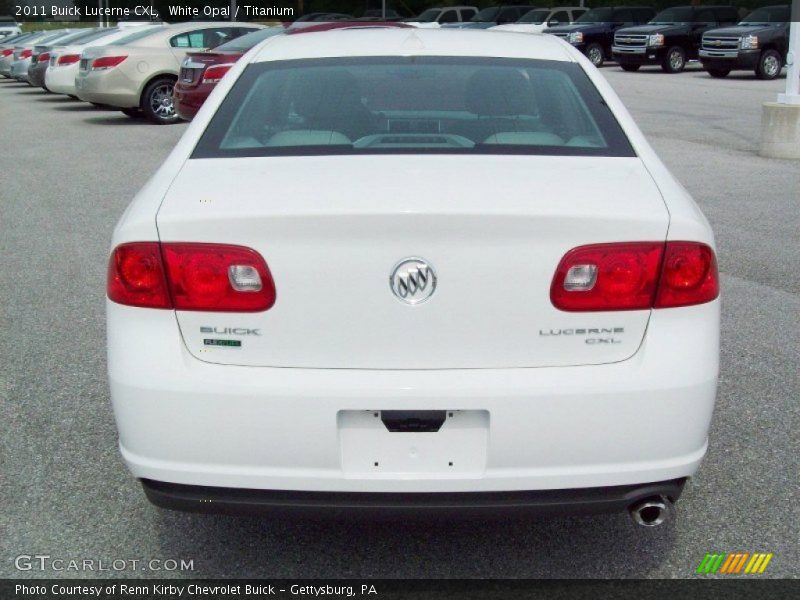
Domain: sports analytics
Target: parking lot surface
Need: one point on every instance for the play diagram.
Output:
(68, 172)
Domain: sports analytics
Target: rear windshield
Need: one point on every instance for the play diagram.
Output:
(137, 35)
(381, 105)
(245, 42)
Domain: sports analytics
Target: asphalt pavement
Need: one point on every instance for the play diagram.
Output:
(67, 172)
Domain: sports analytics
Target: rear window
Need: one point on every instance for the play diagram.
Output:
(413, 105)
(245, 42)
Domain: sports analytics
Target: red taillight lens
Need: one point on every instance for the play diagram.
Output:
(630, 276)
(201, 277)
(190, 276)
(107, 62)
(8, 52)
(43, 57)
(68, 59)
(214, 73)
(625, 277)
(688, 276)
(136, 276)
(26, 54)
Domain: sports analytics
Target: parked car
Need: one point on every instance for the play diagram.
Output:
(8, 27)
(433, 17)
(137, 73)
(40, 57)
(671, 38)
(201, 71)
(60, 75)
(539, 19)
(7, 50)
(377, 14)
(21, 58)
(760, 42)
(525, 354)
(593, 32)
(493, 15)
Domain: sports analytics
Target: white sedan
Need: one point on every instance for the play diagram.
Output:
(390, 268)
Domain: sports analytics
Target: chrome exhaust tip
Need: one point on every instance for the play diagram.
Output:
(651, 512)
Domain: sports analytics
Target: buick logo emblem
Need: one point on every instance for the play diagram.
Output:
(413, 280)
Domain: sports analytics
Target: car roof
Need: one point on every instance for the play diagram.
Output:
(385, 41)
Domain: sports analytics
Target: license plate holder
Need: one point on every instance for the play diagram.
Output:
(368, 448)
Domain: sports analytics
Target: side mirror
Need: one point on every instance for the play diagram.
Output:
(552, 22)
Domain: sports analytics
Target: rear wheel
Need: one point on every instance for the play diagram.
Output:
(158, 104)
(719, 73)
(674, 60)
(629, 67)
(594, 52)
(769, 65)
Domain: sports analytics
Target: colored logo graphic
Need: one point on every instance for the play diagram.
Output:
(734, 563)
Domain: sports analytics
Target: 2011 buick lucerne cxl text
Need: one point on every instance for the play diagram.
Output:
(395, 268)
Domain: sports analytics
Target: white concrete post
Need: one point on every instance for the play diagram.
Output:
(792, 95)
(780, 121)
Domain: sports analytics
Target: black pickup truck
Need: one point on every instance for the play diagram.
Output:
(760, 43)
(593, 32)
(671, 38)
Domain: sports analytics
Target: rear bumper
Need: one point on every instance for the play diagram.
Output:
(110, 87)
(539, 502)
(61, 80)
(19, 69)
(185, 421)
(189, 100)
(36, 75)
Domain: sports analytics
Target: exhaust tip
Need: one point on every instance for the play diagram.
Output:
(651, 512)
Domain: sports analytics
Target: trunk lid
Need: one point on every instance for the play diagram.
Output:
(332, 228)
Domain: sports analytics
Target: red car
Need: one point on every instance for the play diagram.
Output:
(201, 71)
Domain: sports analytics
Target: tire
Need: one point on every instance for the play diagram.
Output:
(718, 73)
(769, 65)
(133, 113)
(595, 54)
(158, 105)
(674, 60)
(629, 67)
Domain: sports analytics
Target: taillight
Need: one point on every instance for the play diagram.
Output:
(688, 275)
(635, 276)
(43, 57)
(214, 73)
(7, 52)
(136, 276)
(26, 54)
(190, 276)
(68, 59)
(107, 62)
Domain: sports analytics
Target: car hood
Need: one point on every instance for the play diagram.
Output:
(582, 27)
(647, 29)
(738, 30)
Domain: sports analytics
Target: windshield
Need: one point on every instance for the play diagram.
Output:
(429, 15)
(137, 35)
(487, 15)
(379, 105)
(596, 15)
(77, 36)
(245, 42)
(95, 35)
(772, 14)
(674, 15)
(536, 17)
